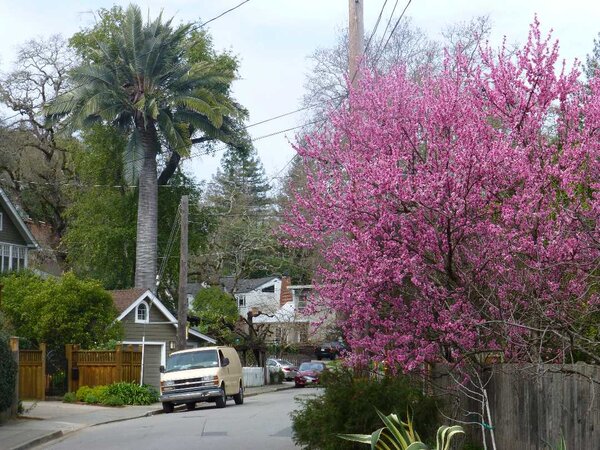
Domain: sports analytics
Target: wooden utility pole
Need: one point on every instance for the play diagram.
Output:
(182, 306)
(356, 40)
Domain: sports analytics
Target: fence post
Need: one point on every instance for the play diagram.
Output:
(42, 378)
(69, 356)
(14, 348)
(119, 362)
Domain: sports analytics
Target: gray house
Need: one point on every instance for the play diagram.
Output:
(147, 322)
(16, 240)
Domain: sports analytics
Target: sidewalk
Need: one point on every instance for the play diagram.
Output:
(44, 421)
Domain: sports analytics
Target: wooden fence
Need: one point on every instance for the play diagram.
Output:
(533, 406)
(101, 367)
(32, 374)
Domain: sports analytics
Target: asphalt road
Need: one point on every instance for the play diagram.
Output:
(262, 422)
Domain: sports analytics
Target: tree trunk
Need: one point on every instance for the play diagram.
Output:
(147, 219)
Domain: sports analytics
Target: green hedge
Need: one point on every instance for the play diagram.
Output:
(116, 394)
(8, 373)
(348, 404)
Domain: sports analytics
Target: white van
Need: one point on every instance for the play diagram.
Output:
(205, 374)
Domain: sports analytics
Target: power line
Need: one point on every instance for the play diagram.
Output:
(170, 243)
(386, 28)
(376, 26)
(223, 13)
(393, 30)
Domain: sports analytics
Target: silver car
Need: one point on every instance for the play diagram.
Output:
(288, 369)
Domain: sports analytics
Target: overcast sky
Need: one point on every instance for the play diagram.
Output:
(273, 39)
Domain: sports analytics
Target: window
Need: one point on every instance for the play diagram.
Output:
(269, 289)
(141, 313)
(5, 257)
(241, 300)
(303, 297)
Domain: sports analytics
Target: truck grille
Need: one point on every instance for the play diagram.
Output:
(189, 384)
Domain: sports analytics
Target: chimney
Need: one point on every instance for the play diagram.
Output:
(285, 294)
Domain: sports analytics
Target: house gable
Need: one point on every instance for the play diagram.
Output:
(14, 230)
(161, 324)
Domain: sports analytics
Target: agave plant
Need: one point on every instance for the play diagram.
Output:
(399, 435)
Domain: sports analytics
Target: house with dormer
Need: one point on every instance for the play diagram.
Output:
(147, 322)
(262, 294)
(16, 240)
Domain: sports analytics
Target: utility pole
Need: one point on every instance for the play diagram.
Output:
(356, 40)
(182, 306)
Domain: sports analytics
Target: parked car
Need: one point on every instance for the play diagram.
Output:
(330, 350)
(309, 373)
(288, 369)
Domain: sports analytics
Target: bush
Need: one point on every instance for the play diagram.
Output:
(276, 376)
(8, 373)
(348, 406)
(82, 393)
(132, 393)
(70, 397)
(118, 394)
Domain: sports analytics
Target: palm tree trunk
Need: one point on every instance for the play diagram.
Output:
(147, 219)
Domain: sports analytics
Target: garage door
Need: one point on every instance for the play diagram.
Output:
(152, 365)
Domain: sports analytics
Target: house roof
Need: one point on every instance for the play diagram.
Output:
(244, 285)
(286, 314)
(123, 298)
(17, 220)
(126, 300)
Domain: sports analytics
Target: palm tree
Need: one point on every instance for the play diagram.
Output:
(141, 82)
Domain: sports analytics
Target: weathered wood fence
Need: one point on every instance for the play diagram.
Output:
(32, 374)
(533, 406)
(101, 367)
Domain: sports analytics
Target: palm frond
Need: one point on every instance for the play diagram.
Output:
(200, 106)
(93, 74)
(176, 134)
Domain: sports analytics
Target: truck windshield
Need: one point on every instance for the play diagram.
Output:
(192, 360)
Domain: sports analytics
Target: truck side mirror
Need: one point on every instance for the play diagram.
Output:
(225, 362)
(162, 369)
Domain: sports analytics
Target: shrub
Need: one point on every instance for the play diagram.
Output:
(348, 405)
(8, 373)
(118, 394)
(113, 400)
(132, 393)
(82, 393)
(276, 377)
(70, 397)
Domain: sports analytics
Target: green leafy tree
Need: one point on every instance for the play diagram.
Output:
(238, 199)
(100, 236)
(140, 80)
(218, 314)
(59, 311)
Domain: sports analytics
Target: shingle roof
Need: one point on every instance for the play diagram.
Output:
(122, 298)
(17, 220)
(243, 285)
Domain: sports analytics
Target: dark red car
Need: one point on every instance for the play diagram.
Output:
(309, 373)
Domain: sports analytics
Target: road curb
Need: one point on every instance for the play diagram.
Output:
(39, 441)
(281, 388)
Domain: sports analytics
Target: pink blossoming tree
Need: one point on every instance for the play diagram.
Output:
(457, 213)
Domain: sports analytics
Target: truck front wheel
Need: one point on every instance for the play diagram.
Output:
(168, 407)
(239, 397)
(222, 400)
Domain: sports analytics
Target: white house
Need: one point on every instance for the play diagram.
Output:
(290, 324)
(263, 294)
